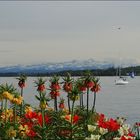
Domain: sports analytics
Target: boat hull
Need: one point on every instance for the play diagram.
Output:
(121, 82)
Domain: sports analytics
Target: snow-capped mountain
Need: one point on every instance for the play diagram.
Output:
(70, 65)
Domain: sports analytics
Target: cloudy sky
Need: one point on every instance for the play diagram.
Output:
(58, 31)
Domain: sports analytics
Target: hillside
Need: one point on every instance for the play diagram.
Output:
(75, 67)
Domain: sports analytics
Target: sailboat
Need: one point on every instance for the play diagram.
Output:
(132, 74)
(120, 80)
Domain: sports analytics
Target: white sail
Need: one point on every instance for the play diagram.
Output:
(120, 80)
(132, 74)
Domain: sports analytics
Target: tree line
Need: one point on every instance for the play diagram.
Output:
(96, 72)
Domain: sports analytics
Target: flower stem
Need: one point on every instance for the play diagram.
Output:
(72, 114)
(2, 105)
(138, 132)
(69, 103)
(21, 106)
(15, 115)
(21, 92)
(81, 101)
(43, 124)
(43, 120)
(87, 100)
(93, 107)
(5, 111)
(55, 103)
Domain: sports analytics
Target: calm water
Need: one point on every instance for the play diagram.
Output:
(113, 100)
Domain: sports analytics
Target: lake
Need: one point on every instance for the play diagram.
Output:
(113, 100)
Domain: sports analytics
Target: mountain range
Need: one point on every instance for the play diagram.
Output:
(63, 66)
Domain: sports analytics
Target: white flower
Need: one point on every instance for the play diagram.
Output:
(124, 130)
(121, 132)
(116, 138)
(129, 137)
(120, 120)
(91, 128)
(95, 137)
(87, 138)
(103, 131)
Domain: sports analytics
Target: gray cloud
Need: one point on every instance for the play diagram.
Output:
(6, 51)
(35, 32)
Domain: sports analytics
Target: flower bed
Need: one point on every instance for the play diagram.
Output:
(21, 121)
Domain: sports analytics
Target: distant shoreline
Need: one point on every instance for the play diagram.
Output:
(95, 72)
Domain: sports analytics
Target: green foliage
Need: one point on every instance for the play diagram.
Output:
(9, 88)
(22, 78)
(39, 81)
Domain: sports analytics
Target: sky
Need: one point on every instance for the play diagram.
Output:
(33, 32)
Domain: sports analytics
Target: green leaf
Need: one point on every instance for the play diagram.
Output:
(37, 97)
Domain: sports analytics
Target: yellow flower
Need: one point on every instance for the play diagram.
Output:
(28, 109)
(8, 114)
(10, 97)
(7, 95)
(17, 101)
(65, 110)
(42, 104)
(20, 100)
(23, 130)
(11, 132)
(18, 118)
(74, 97)
(50, 108)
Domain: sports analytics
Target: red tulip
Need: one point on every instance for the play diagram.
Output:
(31, 133)
(89, 84)
(54, 94)
(21, 84)
(55, 86)
(76, 119)
(61, 105)
(82, 88)
(67, 87)
(41, 88)
(95, 88)
(110, 124)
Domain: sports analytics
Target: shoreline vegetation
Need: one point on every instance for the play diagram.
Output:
(97, 72)
(20, 121)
